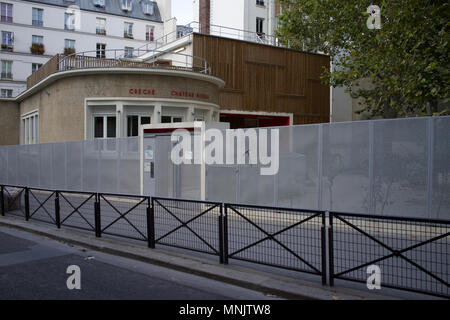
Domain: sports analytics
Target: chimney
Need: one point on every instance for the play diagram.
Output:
(205, 16)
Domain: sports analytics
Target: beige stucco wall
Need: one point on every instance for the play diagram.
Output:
(61, 104)
(9, 122)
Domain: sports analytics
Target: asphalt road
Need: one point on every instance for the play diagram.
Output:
(34, 267)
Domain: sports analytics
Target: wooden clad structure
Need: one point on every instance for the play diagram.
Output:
(266, 78)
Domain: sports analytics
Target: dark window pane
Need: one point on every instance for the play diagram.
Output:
(132, 126)
(175, 119)
(166, 119)
(146, 120)
(111, 127)
(98, 127)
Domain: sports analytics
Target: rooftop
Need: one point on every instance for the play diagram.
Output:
(110, 7)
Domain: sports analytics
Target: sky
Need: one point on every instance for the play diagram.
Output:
(183, 11)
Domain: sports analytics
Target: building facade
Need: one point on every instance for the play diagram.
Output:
(253, 16)
(35, 30)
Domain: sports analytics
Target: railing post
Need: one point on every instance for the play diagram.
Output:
(324, 250)
(330, 250)
(27, 204)
(151, 224)
(225, 236)
(2, 201)
(98, 230)
(57, 216)
(221, 253)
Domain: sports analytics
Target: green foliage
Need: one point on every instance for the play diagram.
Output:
(406, 61)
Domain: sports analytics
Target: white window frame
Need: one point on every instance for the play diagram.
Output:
(172, 117)
(38, 65)
(128, 30)
(149, 33)
(30, 127)
(8, 75)
(105, 124)
(8, 5)
(100, 26)
(140, 116)
(99, 3)
(39, 22)
(4, 93)
(126, 5)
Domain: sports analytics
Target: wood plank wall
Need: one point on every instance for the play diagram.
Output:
(266, 78)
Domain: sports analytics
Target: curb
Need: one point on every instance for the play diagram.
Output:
(270, 284)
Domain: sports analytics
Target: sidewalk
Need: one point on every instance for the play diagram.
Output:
(237, 275)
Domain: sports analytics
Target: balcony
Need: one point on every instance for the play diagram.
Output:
(119, 58)
(101, 32)
(6, 75)
(38, 23)
(6, 18)
(37, 48)
(7, 47)
(128, 35)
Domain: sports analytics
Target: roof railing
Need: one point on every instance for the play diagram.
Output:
(221, 31)
(120, 58)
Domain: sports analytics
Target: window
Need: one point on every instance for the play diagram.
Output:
(100, 26)
(69, 44)
(171, 119)
(7, 41)
(69, 21)
(104, 126)
(147, 7)
(6, 93)
(128, 52)
(99, 3)
(37, 39)
(125, 5)
(128, 30)
(150, 33)
(30, 128)
(101, 50)
(6, 69)
(6, 9)
(260, 2)
(37, 17)
(35, 67)
(260, 26)
(133, 124)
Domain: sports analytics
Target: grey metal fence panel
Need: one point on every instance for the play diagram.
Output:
(59, 162)
(13, 164)
(74, 165)
(46, 166)
(33, 167)
(400, 167)
(305, 143)
(128, 165)
(439, 200)
(345, 167)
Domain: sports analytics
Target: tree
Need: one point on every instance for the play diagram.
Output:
(405, 62)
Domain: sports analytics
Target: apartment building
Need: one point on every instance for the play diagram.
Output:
(253, 16)
(32, 31)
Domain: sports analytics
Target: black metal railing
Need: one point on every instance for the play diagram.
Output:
(77, 209)
(123, 215)
(41, 205)
(286, 238)
(188, 224)
(411, 254)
